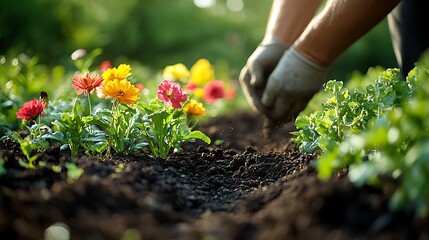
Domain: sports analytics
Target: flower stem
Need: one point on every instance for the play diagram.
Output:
(40, 132)
(90, 107)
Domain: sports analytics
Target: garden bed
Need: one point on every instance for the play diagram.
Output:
(254, 185)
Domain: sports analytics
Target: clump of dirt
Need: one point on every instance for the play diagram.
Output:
(248, 185)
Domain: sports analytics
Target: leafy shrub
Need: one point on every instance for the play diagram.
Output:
(389, 137)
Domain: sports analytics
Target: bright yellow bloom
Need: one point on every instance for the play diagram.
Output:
(122, 91)
(194, 108)
(199, 92)
(177, 71)
(202, 72)
(120, 73)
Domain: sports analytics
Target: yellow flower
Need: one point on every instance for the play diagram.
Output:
(122, 91)
(176, 71)
(202, 72)
(199, 92)
(120, 73)
(194, 108)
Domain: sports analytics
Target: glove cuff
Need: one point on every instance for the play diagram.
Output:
(271, 40)
(296, 54)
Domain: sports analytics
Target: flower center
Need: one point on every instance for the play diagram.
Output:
(121, 93)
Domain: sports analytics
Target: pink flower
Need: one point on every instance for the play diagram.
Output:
(105, 65)
(31, 109)
(213, 91)
(86, 83)
(171, 93)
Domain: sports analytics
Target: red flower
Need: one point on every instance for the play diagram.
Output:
(171, 93)
(86, 83)
(105, 65)
(31, 109)
(213, 91)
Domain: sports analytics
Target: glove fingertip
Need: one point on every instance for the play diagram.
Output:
(267, 100)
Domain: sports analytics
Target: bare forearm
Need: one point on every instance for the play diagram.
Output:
(339, 25)
(288, 19)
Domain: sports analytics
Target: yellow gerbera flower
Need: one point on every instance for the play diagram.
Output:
(194, 108)
(120, 73)
(202, 72)
(122, 91)
(177, 71)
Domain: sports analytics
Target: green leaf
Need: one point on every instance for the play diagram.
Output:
(58, 136)
(197, 135)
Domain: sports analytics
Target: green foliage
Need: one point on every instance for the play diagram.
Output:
(158, 33)
(393, 144)
(73, 172)
(166, 128)
(68, 130)
(27, 147)
(346, 111)
(22, 78)
(116, 128)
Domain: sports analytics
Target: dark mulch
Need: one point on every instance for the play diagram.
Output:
(255, 185)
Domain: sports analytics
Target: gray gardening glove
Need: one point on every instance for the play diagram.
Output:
(291, 85)
(261, 63)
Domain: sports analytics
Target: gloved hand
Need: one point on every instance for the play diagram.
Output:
(261, 63)
(291, 85)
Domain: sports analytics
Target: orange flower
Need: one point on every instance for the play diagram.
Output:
(194, 108)
(122, 91)
(86, 83)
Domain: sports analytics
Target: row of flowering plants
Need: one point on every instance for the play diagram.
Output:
(111, 114)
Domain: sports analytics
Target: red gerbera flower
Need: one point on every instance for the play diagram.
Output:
(31, 109)
(213, 91)
(86, 83)
(171, 93)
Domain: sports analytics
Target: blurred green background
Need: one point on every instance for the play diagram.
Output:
(159, 33)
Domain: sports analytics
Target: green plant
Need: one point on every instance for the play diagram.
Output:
(73, 172)
(27, 148)
(393, 145)
(68, 130)
(346, 111)
(166, 128)
(115, 130)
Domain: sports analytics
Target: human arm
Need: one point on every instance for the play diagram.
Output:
(287, 20)
(303, 69)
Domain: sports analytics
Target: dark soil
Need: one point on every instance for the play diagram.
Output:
(255, 185)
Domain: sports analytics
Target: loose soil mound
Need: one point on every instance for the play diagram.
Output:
(255, 185)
